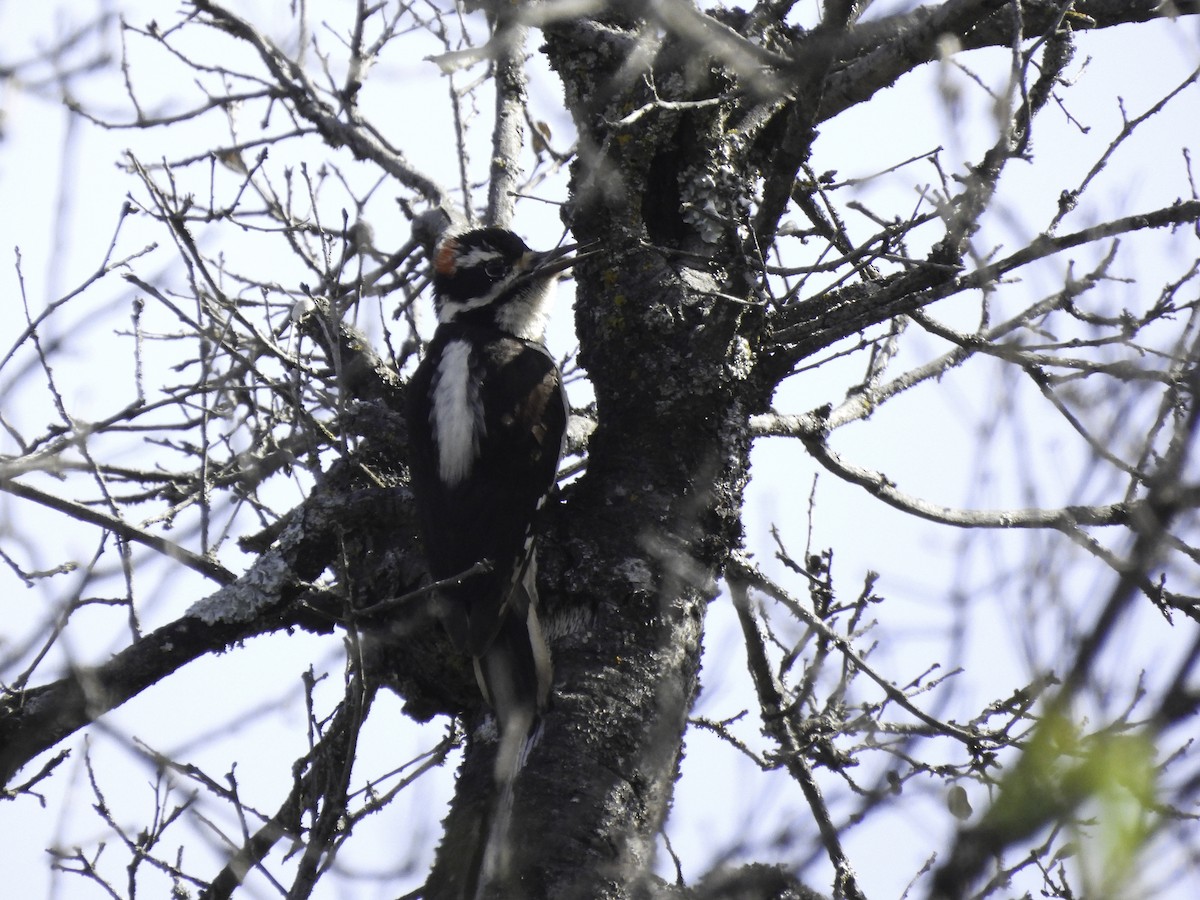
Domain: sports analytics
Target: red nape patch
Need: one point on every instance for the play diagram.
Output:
(444, 259)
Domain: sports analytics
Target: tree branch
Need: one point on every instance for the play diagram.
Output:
(207, 567)
(803, 328)
(882, 51)
(779, 724)
(813, 432)
(508, 130)
(739, 570)
(1022, 807)
(266, 598)
(296, 86)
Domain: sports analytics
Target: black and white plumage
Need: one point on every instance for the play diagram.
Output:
(487, 416)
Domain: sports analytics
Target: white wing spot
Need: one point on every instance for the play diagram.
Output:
(457, 414)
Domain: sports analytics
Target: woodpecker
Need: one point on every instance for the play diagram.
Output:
(487, 416)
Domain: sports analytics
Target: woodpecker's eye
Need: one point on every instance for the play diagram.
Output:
(495, 269)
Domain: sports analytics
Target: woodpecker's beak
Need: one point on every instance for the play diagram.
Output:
(557, 260)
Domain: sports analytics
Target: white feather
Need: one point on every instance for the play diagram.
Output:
(457, 414)
(525, 316)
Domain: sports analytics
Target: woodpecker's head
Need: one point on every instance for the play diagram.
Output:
(490, 276)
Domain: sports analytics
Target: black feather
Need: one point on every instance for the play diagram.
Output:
(489, 514)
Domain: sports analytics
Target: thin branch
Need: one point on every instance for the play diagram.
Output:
(740, 571)
(1021, 809)
(802, 328)
(205, 566)
(812, 431)
(778, 723)
(266, 598)
(296, 86)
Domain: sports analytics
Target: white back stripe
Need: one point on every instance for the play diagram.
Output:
(456, 414)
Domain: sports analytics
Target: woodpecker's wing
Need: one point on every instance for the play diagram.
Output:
(487, 416)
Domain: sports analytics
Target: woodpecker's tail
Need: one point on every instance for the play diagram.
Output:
(513, 670)
(514, 675)
(499, 840)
